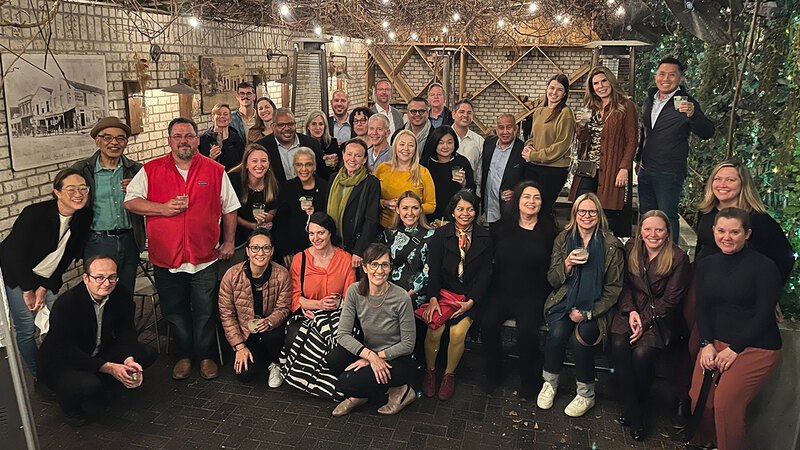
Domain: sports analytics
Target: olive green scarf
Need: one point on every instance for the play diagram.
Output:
(341, 188)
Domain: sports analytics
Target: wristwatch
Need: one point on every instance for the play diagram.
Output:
(587, 314)
(705, 342)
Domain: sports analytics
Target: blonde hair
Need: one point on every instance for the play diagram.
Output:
(326, 134)
(748, 200)
(271, 187)
(618, 96)
(414, 171)
(602, 221)
(665, 255)
(219, 106)
(422, 222)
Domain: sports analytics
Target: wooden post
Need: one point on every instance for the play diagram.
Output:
(462, 77)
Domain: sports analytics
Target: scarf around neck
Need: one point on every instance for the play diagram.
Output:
(464, 242)
(341, 188)
(586, 282)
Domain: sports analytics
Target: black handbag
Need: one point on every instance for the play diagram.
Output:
(670, 327)
(584, 167)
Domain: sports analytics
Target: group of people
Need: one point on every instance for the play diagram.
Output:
(269, 229)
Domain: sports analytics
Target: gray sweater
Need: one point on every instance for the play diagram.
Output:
(389, 327)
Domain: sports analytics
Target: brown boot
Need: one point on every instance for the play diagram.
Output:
(448, 387)
(208, 369)
(182, 369)
(429, 383)
(399, 398)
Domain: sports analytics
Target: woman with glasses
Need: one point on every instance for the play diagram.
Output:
(358, 119)
(608, 130)
(255, 299)
(403, 173)
(317, 128)
(44, 241)
(301, 197)
(221, 142)
(586, 271)
(321, 275)
(263, 127)
(352, 201)
(380, 362)
(460, 271)
(257, 189)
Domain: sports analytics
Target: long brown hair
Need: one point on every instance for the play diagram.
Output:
(748, 200)
(563, 81)
(637, 254)
(270, 182)
(618, 96)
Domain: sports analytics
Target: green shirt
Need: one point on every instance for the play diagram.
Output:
(109, 214)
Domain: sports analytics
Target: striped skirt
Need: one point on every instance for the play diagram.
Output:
(303, 361)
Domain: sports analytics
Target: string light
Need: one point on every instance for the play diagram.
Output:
(385, 24)
(456, 17)
(533, 7)
(501, 23)
(317, 30)
(445, 29)
(620, 11)
(413, 36)
(194, 22)
(369, 41)
(392, 35)
(285, 11)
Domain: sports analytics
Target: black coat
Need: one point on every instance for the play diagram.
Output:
(513, 173)
(271, 144)
(361, 214)
(447, 118)
(232, 148)
(444, 259)
(73, 330)
(33, 237)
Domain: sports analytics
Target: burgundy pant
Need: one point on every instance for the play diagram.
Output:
(726, 406)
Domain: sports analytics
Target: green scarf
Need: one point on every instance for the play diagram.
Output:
(341, 188)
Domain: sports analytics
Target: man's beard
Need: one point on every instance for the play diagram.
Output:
(185, 155)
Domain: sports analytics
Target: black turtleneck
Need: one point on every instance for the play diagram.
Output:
(736, 298)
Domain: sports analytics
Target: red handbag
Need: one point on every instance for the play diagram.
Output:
(449, 303)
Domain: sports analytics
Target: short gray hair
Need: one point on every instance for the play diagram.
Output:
(305, 151)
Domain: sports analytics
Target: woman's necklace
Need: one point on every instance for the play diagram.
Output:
(383, 299)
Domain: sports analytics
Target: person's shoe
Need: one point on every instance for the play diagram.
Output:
(44, 391)
(349, 404)
(74, 418)
(682, 413)
(182, 369)
(448, 387)
(546, 396)
(399, 398)
(623, 420)
(638, 434)
(275, 376)
(525, 393)
(429, 383)
(579, 406)
(208, 369)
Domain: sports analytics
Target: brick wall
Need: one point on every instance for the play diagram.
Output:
(123, 38)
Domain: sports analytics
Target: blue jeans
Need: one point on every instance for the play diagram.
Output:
(24, 327)
(662, 190)
(188, 302)
(562, 332)
(123, 249)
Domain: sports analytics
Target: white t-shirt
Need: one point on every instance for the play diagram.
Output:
(137, 188)
(48, 265)
(471, 146)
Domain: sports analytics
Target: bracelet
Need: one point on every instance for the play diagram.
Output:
(269, 324)
(237, 347)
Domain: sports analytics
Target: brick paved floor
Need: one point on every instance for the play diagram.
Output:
(224, 413)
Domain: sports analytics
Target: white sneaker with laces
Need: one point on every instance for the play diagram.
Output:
(579, 406)
(275, 376)
(546, 396)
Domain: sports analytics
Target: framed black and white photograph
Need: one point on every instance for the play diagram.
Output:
(219, 76)
(52, 105)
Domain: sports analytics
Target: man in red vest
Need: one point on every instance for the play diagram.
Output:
(184, 196)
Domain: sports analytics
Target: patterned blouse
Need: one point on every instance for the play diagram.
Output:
(412, 272)
(595, 130)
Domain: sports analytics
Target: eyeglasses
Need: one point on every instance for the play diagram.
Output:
(109, 139)
(301, 165)
(74, 190)
(179, 137)
(246, 94)
(374, 266)
(285, 125)
(355, 121)
(259, 249)
(587, 212)
(417, 112)
(100, 279)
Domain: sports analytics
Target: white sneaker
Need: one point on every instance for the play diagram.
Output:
(275, 376)
(579, 406)
(546, 396)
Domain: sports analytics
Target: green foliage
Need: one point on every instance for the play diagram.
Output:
(766, 136)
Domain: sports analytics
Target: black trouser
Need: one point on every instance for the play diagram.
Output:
(550, 181)
(528, 314)
(265, 348)
(361, 383)
(634, 367)
(73, 386)
(562, 333)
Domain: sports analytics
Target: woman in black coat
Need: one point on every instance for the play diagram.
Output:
(46, 238)
(442, 161)
(221, 142)
(461, 263)
(353, 197)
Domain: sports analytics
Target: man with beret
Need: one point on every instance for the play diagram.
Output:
(115, 231)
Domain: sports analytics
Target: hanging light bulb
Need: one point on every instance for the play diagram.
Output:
(318, 30)
(392, 35)
(620, 11)
(284, 10)
(501, 23)
(194, 22)
(456, 17)
(385, 24)
(413, 36)
(445, 29)
(533, 7)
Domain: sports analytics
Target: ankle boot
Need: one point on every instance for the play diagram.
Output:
(683, 411)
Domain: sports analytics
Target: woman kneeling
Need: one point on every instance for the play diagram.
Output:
(384, 312)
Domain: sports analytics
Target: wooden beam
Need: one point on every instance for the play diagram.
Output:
(462, 78)
(548, 58)
(498, 80)
(504, 72)
(392, 73)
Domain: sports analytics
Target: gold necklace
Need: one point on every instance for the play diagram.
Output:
(372, 305)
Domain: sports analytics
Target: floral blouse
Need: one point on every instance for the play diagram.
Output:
(412, 271)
